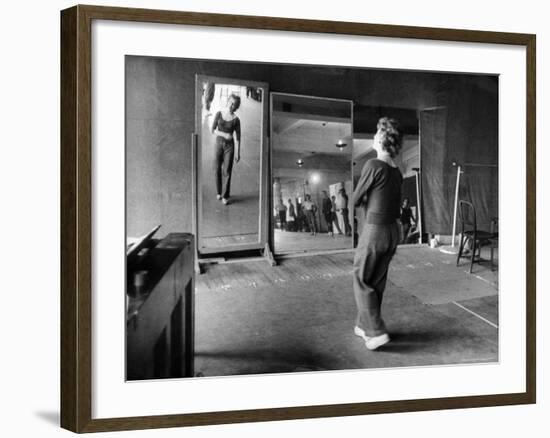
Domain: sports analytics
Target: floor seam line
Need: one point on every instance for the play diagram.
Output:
(475, 314)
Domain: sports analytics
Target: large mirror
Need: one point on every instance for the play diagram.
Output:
(231, 137)
(312, 144)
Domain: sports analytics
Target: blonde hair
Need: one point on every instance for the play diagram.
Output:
(237, 100)
(391, 136)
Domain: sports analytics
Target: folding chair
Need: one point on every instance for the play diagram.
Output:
(472, 236)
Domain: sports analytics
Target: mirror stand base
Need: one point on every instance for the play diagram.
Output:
(268, 255)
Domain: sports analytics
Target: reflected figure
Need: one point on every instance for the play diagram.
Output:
(227, 129)
(343, 209)
(281, 212)
(334, 216)
(310, 209)
(290, 216)
(300, 217)
(326, 208)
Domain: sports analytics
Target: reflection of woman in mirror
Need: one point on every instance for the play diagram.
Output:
(310, 208)
(342, 206)
(290, 216)
(281, 211)
(334, 216)
(378, 191)
(227, 129)
(326, 208)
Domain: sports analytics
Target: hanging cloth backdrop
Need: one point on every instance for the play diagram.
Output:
(464, 130)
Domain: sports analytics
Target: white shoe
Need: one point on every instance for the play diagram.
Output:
(218, 197)
(225, 201)
(361, 333)
(377, 341)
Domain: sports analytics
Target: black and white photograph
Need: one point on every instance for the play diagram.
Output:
(285, 218)
(275, 219)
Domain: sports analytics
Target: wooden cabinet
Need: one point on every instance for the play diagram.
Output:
(159, 325)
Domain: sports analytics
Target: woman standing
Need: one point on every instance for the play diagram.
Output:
(342, 205)
(326, 208)
(334, 216)
(281, 211)
(378, 191)
(310, 209)
(227, 129)
(290, 216)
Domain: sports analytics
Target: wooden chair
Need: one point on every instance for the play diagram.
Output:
(470, 234)
(493, 241)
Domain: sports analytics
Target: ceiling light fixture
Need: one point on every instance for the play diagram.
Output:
(340, 144)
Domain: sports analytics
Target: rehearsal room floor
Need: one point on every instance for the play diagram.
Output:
(297, 241)
(298, 316)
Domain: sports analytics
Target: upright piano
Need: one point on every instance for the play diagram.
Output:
(160, 308)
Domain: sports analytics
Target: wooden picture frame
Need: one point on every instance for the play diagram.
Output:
(76, 218)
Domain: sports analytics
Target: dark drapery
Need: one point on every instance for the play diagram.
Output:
(436, 212)
(465, 131)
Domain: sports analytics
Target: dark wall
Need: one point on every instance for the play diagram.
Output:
(160, 109)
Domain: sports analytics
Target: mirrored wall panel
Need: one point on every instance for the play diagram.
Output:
(312, 146)
(231, 133)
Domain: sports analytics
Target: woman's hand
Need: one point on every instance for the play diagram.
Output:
(237, 157)
(222, 134)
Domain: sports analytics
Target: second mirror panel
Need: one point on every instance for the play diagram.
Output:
(312, 146)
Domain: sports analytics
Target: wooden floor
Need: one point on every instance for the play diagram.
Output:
(223, 241)
(258, 274)
(412, 268)
(252, 318)
(297, 241)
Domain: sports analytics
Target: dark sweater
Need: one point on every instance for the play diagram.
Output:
(378, 191)
(227, 126)
(406, 216)
(327, 205)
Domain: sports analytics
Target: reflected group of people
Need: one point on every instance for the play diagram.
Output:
(303, 216)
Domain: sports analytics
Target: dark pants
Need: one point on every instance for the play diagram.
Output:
(223, 166)
(334, 219)
(310, 216)
(375, 249)
(347, 226)
(328, 220)
(282, 219)
(405, 228)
